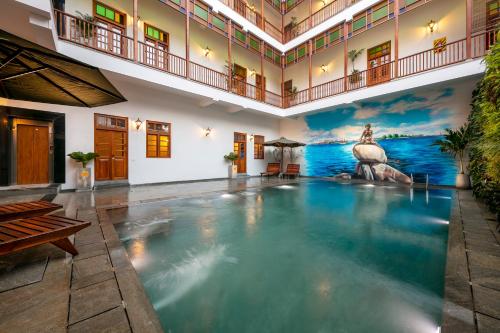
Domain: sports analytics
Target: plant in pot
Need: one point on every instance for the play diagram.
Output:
(455, 143)
(85, 25)
(355, 76)
(83, 176)
(293, 93)
(233, 168)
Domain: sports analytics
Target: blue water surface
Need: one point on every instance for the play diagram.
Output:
(414, 156)
(311, 257)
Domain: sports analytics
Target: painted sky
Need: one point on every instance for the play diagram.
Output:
(422, 113)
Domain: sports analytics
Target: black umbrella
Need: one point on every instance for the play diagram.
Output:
(283, 143)
(31, 72)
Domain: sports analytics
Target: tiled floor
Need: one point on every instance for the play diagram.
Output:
(98, 290)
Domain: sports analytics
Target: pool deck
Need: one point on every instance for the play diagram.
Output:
(45, 290)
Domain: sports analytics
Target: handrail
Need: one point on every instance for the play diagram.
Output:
(115, 43)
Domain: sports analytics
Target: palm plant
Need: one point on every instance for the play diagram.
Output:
(455, 142)
(85, 24)
(231, 157)
(353, 55)
(83, 158)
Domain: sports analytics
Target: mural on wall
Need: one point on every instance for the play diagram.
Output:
(388, 139)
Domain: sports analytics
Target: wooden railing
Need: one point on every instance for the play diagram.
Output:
(273, 31)
(207, 76)
(158, 58)
(90, 34)
(116, 43)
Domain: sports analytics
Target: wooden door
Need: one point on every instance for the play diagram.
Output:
(111, 144)
(260, 83)
(240, 149)
(110, 38)
(492, 18)
(379, 64)
(240, 80)
(32, 156)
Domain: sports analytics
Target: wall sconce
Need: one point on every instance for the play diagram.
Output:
(207, 131)
(252, 72)
(251, 137)
(323, 2)
(138, 123)
(252, 7)
(324, 68)
(432, 25)
(207, 51)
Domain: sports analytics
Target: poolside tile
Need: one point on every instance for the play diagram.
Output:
(487, 301)
(112, 321)
(90, 250)
(487, 324)
(92, 279)
(93, 300)
(90, 266)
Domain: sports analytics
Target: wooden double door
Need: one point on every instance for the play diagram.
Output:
(111, 144)
(32, 154)
(379, 64)
(240, 149)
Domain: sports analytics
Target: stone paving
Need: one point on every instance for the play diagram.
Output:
(44, 290)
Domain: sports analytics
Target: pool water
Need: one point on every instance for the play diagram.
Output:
(317, 256)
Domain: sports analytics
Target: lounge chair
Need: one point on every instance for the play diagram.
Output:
(26, 209)
(292, 170)
(273, 169)
(25, 233)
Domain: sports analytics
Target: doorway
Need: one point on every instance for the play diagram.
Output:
(240, 149)
(240, 80)
(260, 83)
(111, 144)
(32, 152)
(379, 64)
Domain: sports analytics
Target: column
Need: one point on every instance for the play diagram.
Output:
(262, 14)
(396, 38)
(310, 14)
(229, 58)
(469, 28)
(263, 88)
(345, 33)
(310, 69)
(187, 39)
(136, 37)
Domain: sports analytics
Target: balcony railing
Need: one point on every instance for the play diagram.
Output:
(115, 43)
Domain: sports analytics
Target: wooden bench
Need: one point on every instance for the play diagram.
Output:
(273, 169)
(26, 209)
(25, 233)
(292, 170)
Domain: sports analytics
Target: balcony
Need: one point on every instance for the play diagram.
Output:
(92, 35)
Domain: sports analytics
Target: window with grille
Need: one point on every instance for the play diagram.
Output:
(258, 147)
(158, 139)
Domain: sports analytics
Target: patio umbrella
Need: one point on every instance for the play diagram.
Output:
(283, 143)
(33, 73)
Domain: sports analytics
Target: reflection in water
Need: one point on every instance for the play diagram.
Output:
(323, 257)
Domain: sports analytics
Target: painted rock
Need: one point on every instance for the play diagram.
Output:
(369, 153)
(384, 172)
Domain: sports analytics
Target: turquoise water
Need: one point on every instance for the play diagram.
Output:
(414, 155)
(311, 257)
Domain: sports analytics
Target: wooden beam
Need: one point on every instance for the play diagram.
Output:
(309, 19)
(396, 38)
(10, 58)
(262, 85)
(187, 38)
(469, 28)
(262, 14)
(229, 56)
(136, 36)
(30, 71)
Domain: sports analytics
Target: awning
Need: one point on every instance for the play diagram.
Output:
(30, 72)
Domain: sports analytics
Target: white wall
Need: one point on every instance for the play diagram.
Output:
(333, 58)
(200, 38)
(299, 73)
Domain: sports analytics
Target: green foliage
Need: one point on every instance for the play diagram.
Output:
(84, 158)
(455, 143)
(353, 55)
(85, 24)
(485, 123)
(231, 157)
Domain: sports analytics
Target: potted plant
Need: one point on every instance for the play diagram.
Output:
(355, 74)
(233, 168)
(83, 176)
(85, 25)
(455, 143)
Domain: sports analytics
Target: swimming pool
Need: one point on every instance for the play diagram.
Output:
(316, 256)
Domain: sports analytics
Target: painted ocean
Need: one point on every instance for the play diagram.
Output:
(409, 155)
